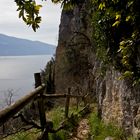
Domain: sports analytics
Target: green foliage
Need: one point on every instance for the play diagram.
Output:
(116, 33)
(57, 116)
(28, 135)
(68, 4)
(100, 131)
(48, 76)
(29, 12)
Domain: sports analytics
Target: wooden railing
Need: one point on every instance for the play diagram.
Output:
(11, 110)
(36, 94)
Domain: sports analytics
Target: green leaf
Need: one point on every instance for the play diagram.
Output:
(37, 7)
(128, 74)
(24, 19)
(21, 14)
(118, 16)
(38, 19)
(128, 18)
(102, 5)
(122, 43)
(116, 24)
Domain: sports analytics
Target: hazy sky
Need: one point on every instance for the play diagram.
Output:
(11, 25)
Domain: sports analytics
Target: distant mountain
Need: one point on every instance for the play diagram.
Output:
(17, 46)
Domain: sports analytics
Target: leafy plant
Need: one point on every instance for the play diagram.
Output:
(29, 12)
(28, 135)
(116, 32)
(57, 115)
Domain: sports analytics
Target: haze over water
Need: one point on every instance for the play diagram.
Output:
(17, 74)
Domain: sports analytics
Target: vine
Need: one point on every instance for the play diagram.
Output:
(116, 34)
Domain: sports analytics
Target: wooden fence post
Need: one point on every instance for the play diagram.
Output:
(67, 103)
(42, 114)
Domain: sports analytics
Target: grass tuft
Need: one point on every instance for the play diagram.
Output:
(100, 130)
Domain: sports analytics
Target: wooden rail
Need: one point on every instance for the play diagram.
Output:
(10, 111)
(61, 96)
(37, 94)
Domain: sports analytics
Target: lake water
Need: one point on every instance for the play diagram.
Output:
(17, 74)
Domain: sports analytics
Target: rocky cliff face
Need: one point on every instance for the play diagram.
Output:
(76, 64)
(118, 101)
(72, 60)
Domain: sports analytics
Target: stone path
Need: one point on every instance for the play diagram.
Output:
(83, 131)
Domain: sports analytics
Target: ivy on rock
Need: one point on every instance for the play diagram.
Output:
(117, 28)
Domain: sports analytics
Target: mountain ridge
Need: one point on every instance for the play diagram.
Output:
(17, 46)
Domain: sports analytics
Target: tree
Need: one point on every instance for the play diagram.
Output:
(29, 10)
(9, 96)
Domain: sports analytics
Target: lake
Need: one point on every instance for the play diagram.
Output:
(17, 74)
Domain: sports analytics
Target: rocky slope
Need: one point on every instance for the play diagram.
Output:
(77, 65)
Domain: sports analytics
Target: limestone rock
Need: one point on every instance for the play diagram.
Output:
(136, 125)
